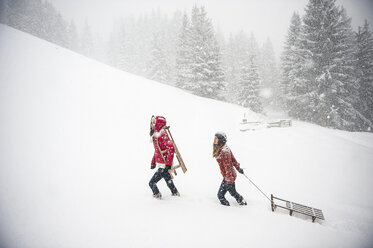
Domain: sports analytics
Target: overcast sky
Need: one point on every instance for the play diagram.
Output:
(264, 18)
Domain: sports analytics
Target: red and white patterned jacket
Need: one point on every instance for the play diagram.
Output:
(164, 143)
(226, 162)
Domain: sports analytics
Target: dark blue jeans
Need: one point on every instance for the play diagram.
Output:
(223, 190)
(159, 174)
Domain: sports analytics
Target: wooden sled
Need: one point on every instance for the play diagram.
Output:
(178, 156)
(295, 207)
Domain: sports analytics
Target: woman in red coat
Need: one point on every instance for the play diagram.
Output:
(227, 162)
(163, 156)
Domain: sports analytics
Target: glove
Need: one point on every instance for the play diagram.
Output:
(152, 167)
(240, 171)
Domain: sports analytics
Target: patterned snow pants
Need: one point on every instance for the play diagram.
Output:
(159, 174)
(223, 190)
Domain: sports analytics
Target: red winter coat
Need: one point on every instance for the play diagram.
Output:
(226, 162)
(164, 143)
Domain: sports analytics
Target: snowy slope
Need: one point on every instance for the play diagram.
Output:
(75, 164)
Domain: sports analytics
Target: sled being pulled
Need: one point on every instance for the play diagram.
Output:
(295, 207)
(178, 156)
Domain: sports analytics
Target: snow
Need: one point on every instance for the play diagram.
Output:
(75, 164)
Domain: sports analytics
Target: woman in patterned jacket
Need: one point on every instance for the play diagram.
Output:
(227, 163)
(163, 156)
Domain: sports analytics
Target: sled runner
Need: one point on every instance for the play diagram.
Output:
(298, 208)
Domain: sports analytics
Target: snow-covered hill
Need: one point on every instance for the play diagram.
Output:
(75, 164)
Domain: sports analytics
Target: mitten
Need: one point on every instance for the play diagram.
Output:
(240, 171)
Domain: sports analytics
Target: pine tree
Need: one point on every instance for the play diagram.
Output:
(72, 37)
(123, 52)
(197, 53)
(37, 18)
(253, 47)
(231, 68)
(172, 30)
(183, 55)
(50, 23)
(60, 35)
(364, 71)
(4, 12)
(207, 74)
(159, 68)
(249, 85)
(292, 80)
(86, 41)
(34, 15)
(216, 77)
(240, 52)
(16, 14)
(269, 74)
(344, 75)
(328, 47)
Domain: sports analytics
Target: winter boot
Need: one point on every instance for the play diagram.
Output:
(225, 203)
(158, 196)
(176, 194)
(241, 201)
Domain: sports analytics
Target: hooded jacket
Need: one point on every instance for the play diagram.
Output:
(160, 136)
(226, 162)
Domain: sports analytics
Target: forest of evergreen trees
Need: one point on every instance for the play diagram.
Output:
(186, 51)
(327, 69)
(325, 75)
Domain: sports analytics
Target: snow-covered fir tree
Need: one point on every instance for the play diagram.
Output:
(330, 84)
(4, 12)
(364, 72)
(249, 85)
(86, 40)
(253, 47)
(173, 27)
(183, 55)
(231, 69)
(344, 75)
(207, 74)
(129, 47)
(326, 68)
(59, 31)
(125, 50)
(292, 86)
(238, 49)
(159, 67)
(36, 17)
(72, 37)
(140, 45)
(269, 74)
(216, 77)
(14, 13)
